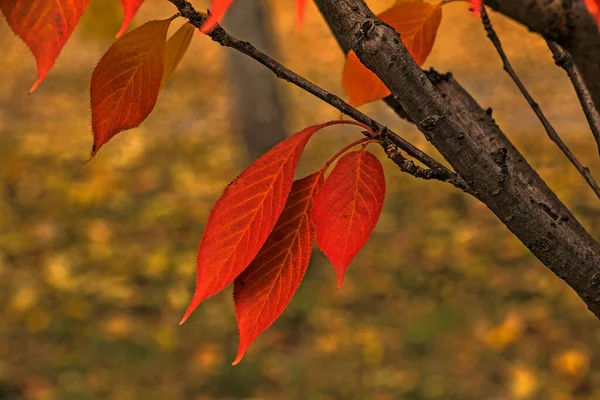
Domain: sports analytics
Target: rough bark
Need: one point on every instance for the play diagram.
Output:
(479, 152)
(391, 142)
(566, 22)
(257, 103)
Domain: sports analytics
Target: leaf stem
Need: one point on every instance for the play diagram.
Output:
(344, 149)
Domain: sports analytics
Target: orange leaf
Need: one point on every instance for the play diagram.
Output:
(417, 23)
(125, 83)
(130, 8)
(347, 208)
(45, 26)
(594, 9)
(244, 216)
(175, 49)
(265, 288)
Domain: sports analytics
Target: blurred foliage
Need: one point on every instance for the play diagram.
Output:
(97, 259)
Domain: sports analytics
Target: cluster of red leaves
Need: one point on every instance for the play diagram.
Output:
(260, 233)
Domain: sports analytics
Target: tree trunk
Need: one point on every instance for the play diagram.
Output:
(479, 152)
(259, 112)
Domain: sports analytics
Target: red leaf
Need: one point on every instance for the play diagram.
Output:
(45, 26)
(130, 8)
(220, 7)
(265, 288)
(476, 5)
(125, 83)
(300, 11)
(347, 208)
(244, 216)
(217, 11)
(594, 9)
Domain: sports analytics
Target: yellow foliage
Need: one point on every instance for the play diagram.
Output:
(156, 263)
(572, 364)
(24, 298)
(58, 273)
(371, 344)
(328, 343)
(166, 337)
(99, 231)
(524, 383)
(97, 260)
(207, 356)
(118, 326)
(505, 334)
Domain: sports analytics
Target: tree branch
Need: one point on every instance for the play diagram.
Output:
(565, 61)
(218, 34)
(584, 171)
(468, 138)
(496, 173)
(566, 22)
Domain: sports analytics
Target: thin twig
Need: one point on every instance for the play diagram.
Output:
(585, 172)
(564, 60)
(218, 34)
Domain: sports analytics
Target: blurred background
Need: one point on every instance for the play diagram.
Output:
(97, 260)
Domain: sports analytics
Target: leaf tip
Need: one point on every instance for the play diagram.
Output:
(185, 317)
(36, 84)
(94, 151)
(121, 31)
(124, 26)
(240, 354)
(196, 300)
(188, 312)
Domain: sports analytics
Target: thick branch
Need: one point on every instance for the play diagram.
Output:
(219, 35)
(566, 22)
(467, 137)
(469, 140)
(584, 171)
(565, 61)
